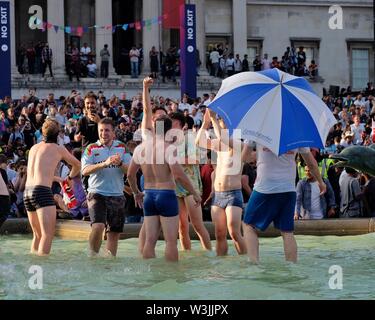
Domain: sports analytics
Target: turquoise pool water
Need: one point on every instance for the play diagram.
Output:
(70, 274)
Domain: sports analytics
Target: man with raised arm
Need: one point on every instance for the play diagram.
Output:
(160, 172)
(227, 203)
(38, 198)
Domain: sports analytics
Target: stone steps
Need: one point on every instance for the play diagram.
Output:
(115, 82)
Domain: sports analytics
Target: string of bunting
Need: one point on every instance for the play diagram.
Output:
(80, 30)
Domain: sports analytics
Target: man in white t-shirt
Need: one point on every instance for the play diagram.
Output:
(274, 198)
(85, 52)
(63, 139)
(266, 64)
(184, 104)
(214, 57)
(357, 128)
(134, 61)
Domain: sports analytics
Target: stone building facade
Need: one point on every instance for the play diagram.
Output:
(345, 56)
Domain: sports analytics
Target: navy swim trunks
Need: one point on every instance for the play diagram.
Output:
(160, 203)
(263, 209)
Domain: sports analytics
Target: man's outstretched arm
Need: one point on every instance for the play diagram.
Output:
(147, 109)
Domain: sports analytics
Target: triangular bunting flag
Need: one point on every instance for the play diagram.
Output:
(138, 26)
(114, 29)
(49, 25)
(125, 26)
(131, 25)
(86, 29)
(68, 29)
(79, 31)
(56, 28)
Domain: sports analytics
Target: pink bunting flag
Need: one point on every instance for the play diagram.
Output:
(79, 31)
(138, 26)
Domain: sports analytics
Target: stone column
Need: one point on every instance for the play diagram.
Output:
(56, 40)
(201, 32)
(239, 27)
(13, 48)
(103, 17)
(151, 34)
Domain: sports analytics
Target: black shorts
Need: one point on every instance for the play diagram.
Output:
(107, 210)
(4, 208)
(38, 197)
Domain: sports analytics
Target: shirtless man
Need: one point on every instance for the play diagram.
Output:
(227, 204)
(4, 197)
(160, 201)
(148, 125)
(38, 198)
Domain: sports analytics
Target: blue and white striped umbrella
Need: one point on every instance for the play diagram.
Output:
(274, 109)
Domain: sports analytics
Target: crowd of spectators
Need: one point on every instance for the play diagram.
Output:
(222, 63)
(351, 194)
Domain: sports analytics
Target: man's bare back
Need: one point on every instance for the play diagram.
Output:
(156, 176)
(43, 160)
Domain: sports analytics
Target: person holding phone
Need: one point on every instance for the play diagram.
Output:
(87, 127)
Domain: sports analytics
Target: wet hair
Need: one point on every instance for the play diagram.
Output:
(107, 121)
(179, 117)
(50, 131)
(156, 109)
(167, 124)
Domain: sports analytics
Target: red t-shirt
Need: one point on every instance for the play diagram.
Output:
(206, 172)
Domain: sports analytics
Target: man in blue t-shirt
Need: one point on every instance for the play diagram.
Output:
(106, 162)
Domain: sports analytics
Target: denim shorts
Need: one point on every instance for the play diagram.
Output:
(263, 209)
(226, 199)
